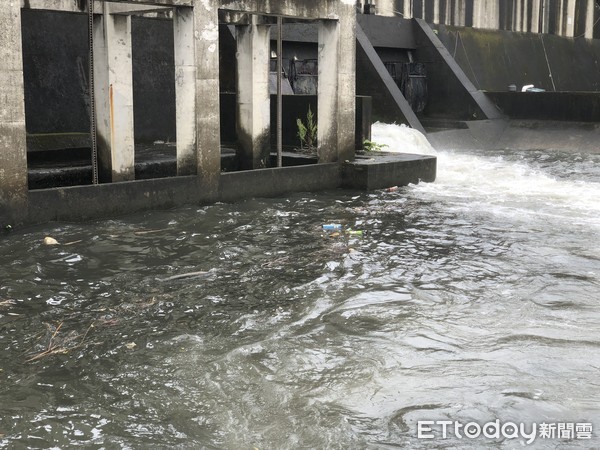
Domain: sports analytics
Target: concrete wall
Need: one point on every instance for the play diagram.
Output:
(563, 106)
(560, 17)
(495, 59)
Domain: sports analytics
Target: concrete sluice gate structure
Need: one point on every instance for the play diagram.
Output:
(114, 107)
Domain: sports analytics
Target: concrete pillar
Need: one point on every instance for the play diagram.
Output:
(486, 14)
(560, 22)
(545, 16)
(535, 16)
(525, 18)
(589, 19)
(253, 102)
(185, 90)
(436, 11)
(570, 25)
(113, 84)
(329, 38)
(385, 7)
(460, 13)
(346, 120)
(518, 15)
(407, 9)
(208, 139)
(13, 150)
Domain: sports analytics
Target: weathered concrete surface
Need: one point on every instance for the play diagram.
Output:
(346, 113)
(13, 158)
(208, 142)
(275, 182)
(253, 105)
(388, 169)
(113, 84)
(451, 93)
(493, 60)
(307, 9)
(329, 60)
(560, 106)
(185, 90)
(520, 135)
(78, 5)
(561, 17)
(110, 200)
(387, 32)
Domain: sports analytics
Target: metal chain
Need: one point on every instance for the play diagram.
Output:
(93, 132)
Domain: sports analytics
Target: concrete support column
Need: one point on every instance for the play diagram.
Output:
(589, 19)
(535, 16)
(486, 14)
(407, 9)
(545, 16)
(253, 102)
(570, 19)
(518, 15)
(560, 22)
(460, 13)
(208, 124)
(185, 90)
(436, 11)
(329, 40)
(525, 18)
(385, 7)
(346, 119)
(114, 96)
(13, 150)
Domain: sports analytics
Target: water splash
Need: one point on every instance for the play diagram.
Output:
(401, 139)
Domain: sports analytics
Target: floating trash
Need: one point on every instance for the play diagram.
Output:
(50, 241)
(332, 226)
(354, 233)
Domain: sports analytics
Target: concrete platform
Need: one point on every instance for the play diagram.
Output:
(54, 167)
(300, 174)
(382, 170)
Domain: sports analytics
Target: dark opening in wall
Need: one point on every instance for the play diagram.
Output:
(552, 17)
(153, 79)
(469, 13)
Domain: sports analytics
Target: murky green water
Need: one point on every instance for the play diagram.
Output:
(472, 299)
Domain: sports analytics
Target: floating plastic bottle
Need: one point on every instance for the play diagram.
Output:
(332, 226)
(354, 232)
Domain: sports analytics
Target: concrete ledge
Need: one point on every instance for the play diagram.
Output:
(388, 169)
(78, 203)
(520, 135)
(565, 106)
(114, 199)
(277, 182)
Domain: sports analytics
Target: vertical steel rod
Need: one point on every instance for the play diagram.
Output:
(279, 93)
(91, 90)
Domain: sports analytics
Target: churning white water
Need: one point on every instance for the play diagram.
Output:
(525, 186)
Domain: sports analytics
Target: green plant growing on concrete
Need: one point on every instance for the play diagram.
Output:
(370, 146)
(307, 133)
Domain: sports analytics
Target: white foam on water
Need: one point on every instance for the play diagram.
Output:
(401, 139)
(496, 184)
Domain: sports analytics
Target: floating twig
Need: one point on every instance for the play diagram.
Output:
(141, 233)
(73, 242)
(183, 275)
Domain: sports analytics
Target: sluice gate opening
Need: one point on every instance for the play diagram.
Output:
(141, 92)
